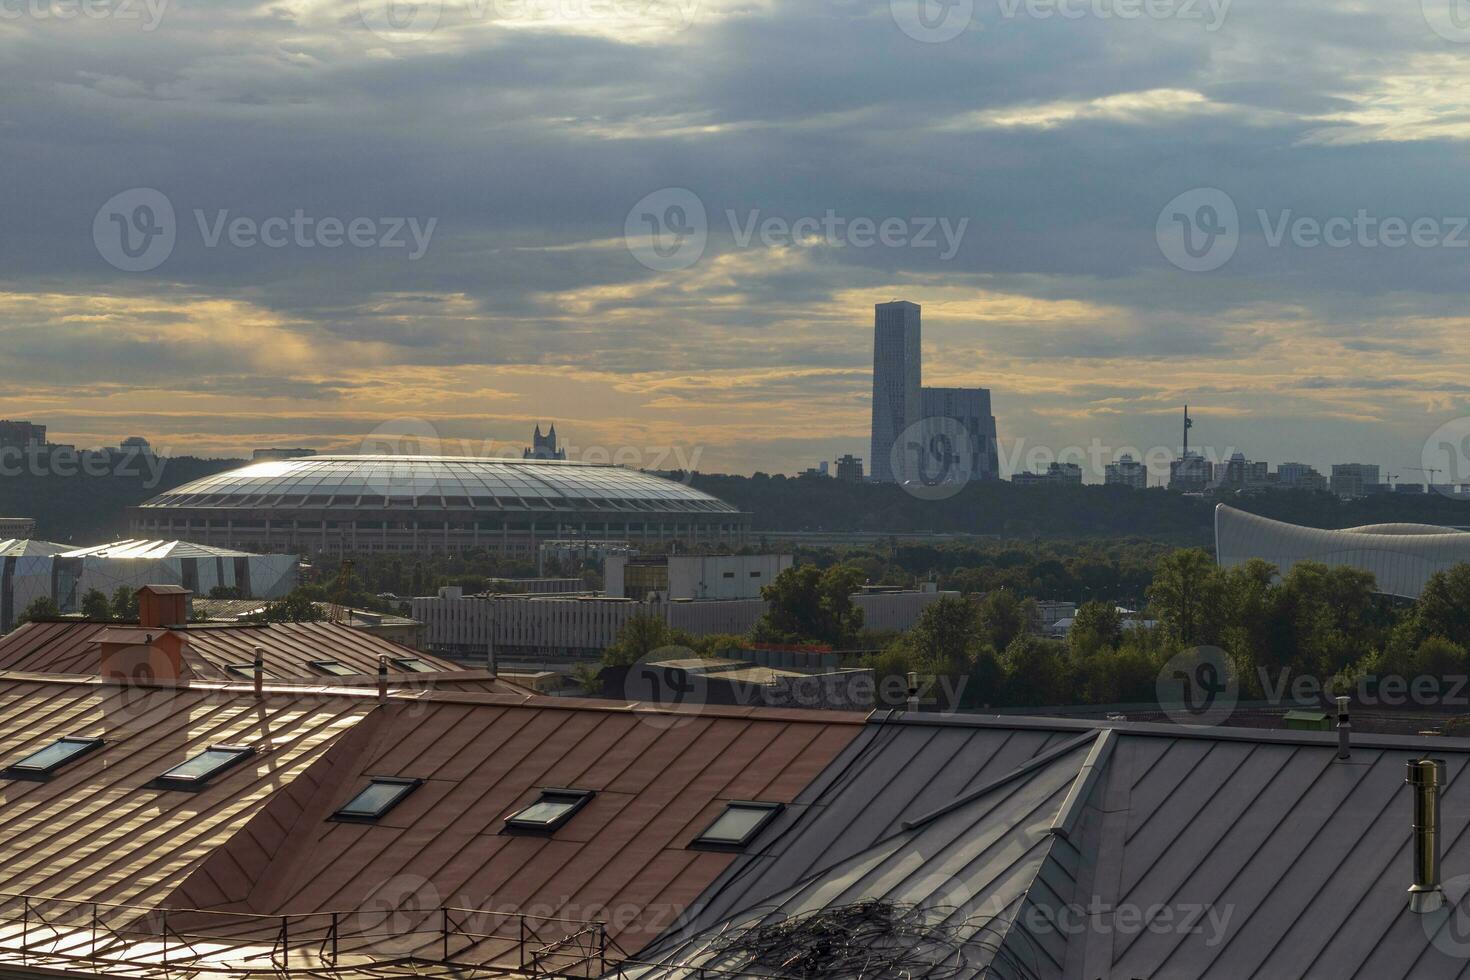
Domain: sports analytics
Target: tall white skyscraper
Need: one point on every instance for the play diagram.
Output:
(896, 383)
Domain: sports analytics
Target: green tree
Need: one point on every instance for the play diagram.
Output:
(1004, 616)
(1036, 672)
(943, 639)
(124, 603)
(640, 636)
(95, 605)
(810, 605)
(42, 608)
(225, 592)
(1443, 608)
(1187, 596)
(1096, 626)
(297, 606)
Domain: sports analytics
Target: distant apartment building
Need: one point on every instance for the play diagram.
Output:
(896, 381)
(1354, 479)
(850, 468)
(1190, 473)
(1126, 472)
(1057, 474)
(21, 435)
(678, 577)
(949, 433)
(1299, 476)
(1239, 473)
(946, 410)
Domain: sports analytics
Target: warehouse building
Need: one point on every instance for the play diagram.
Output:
(353, 504)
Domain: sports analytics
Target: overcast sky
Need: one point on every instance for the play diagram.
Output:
(1026, 172)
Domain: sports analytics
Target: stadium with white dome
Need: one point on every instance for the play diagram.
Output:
(355, 504)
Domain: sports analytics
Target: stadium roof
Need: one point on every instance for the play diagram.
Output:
(481, 483)
(152, 550)
(1401, 557)
(30, 548)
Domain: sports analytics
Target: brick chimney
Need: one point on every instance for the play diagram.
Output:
(134, 655)
(161, 606)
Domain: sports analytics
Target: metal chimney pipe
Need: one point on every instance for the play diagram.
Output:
(490, 663)
(913, 690)
(1425, 778)
(383, 678)
(259, 670)
(1344, 730)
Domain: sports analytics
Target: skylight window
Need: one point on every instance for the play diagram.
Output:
(247, 671)
(43, 762)
(414, 665)
(738, 825)
(332, 667)
(196, 772)
(554, 808)
(382, 794)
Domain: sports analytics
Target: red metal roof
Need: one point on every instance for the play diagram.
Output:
(660, 778)
(290, 648)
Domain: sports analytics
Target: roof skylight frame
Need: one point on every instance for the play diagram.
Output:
(328, 667)
(566, 803)
(404, 664)
(709, 840)
(25, 769)
(228, 757)
(246, 671)
(348, 814)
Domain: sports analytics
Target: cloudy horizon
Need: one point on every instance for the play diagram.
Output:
(441, 212)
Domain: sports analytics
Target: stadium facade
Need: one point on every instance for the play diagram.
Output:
(356, 504)
(1402, 557)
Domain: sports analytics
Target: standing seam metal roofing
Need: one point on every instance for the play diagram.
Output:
(1289, 862)
(70, 647)
(659, 778)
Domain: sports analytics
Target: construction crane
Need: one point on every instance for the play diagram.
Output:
(341, 593)
(1429, 472)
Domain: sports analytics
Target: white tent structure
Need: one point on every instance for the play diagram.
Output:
(1402, 557)
(34, 569)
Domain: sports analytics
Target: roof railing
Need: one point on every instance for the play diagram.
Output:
(152, 942)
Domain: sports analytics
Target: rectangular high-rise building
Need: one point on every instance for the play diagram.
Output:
(896, 384)
(946, 413)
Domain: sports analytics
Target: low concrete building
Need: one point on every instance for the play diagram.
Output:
(692, 576)
(584, 626)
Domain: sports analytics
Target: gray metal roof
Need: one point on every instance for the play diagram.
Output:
(1402, 557)
(1117, 850)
